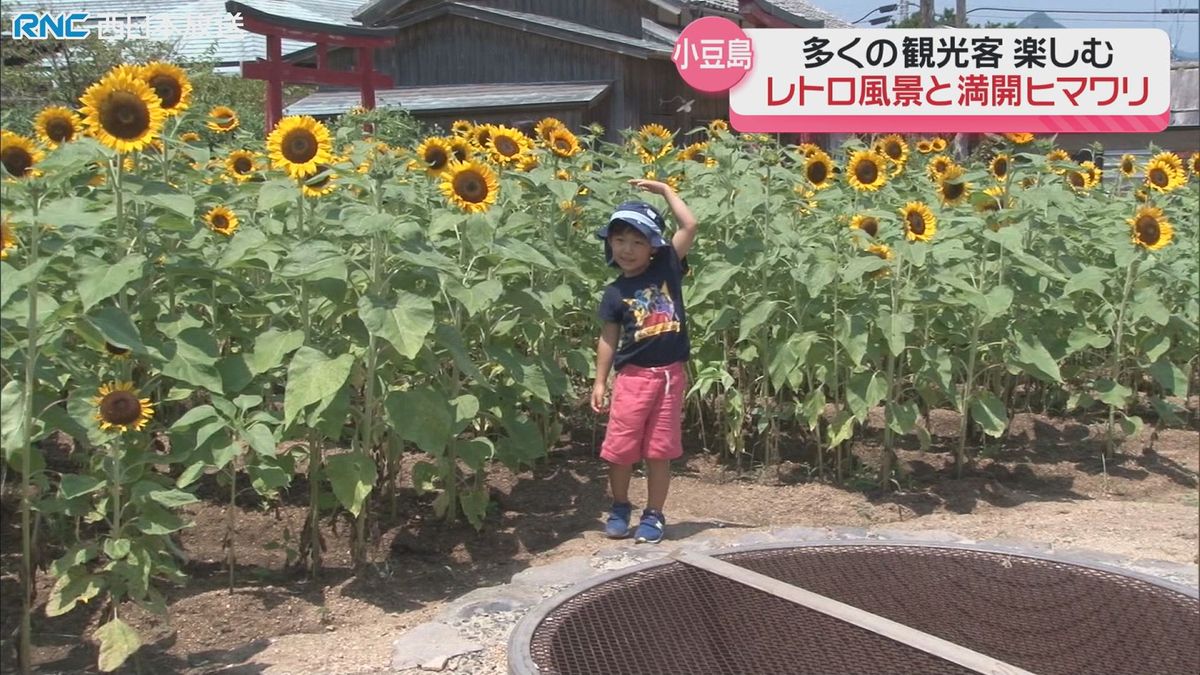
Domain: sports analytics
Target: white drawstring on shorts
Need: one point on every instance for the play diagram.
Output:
(668, 391)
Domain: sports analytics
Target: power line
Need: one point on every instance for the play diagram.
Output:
(1126, 21)
(1081, 11)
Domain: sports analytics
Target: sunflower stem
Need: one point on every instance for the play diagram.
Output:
(960, 453)
(1115, 362)
(25, 650)
(115, 488)
(889, 452)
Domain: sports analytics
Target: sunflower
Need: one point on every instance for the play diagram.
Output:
(952, 189)
(223, 119)
(119, 408)
(8, 238)
(433, 155)
(221, 220)
(1128, 165)
(461, 128)
(893, 147)
(318, 183)
(1141, 196)
(481, 134)
(1019, 138)
(999, 167)
(818, 169)
(241, 165)
(189, 137)
(1080, 179)
(562, 174)
(461, 148)
(19, 155)
(528, 162)
(122, 111)
(563, 143)
(884, 252)
(171, 84)
(1196, 163)
(807, 149)
(919, 222)
(298, 144)
(937, 144)
(506, 144)
(1095, 175)
(117, 352)
(1162, 176)
(653, 142)
(1150, 229)
(471, 186)
(1172, 159)
(938, 166)
(868, 224)
(924, 146)
(865, 171)
(1057, 155)
(718, 126)
(995, 195)
(545, 127)
(56, 125)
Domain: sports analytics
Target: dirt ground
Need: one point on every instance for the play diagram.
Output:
(1044, 482)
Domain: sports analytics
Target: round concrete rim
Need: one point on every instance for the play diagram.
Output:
(520, 660)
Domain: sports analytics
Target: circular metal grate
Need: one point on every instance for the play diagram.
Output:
(1041, 614)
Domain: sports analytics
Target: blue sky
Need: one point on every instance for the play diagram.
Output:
(1183, 29)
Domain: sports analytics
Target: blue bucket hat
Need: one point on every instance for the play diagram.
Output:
(640, 215)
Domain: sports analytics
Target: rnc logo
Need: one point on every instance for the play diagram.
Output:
(39, 26)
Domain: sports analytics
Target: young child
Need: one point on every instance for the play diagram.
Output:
(645, 339)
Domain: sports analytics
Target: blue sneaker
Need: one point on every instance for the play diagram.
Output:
(652, 527)
(618, 521)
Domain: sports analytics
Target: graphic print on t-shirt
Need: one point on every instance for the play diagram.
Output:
(653, 312)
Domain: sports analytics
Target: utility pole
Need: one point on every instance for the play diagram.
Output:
(926, 13)
(960, 14)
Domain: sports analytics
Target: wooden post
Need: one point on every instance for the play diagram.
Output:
(274, 81)
(960, 14)
(366, 65)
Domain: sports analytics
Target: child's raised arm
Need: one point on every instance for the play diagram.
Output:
(686, 235)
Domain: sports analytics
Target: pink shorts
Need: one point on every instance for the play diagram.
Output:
(646, 420)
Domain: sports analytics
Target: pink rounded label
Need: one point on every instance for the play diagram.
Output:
(713, 54)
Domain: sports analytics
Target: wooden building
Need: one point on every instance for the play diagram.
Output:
(516, 61)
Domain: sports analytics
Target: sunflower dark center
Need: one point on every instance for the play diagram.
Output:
(870, 226)
(470, 186)
(506, 146)
(939, 166)
(1001, 167)
(17, 161)
(436, 158)
(893, 150)
(916, 223)
(219, 221)
(168, 90)
(1076, 179)
(562, 144)
(226, 119)
(1148, 230)
(866, 172)
(124, 115)
(120, 407)
(1159, 177)
(817, 172)
(60, 129)
(460, 153)
(299, 146)
(952, 191)
(242, 164)
(1127, 166)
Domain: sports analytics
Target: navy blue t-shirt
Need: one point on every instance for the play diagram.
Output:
(649, 308)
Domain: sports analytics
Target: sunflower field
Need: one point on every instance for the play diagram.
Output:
(183, 300)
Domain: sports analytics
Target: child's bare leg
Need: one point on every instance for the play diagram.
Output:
(658, 481)
(619, 476)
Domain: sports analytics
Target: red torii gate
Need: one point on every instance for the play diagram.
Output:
(362, 39)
